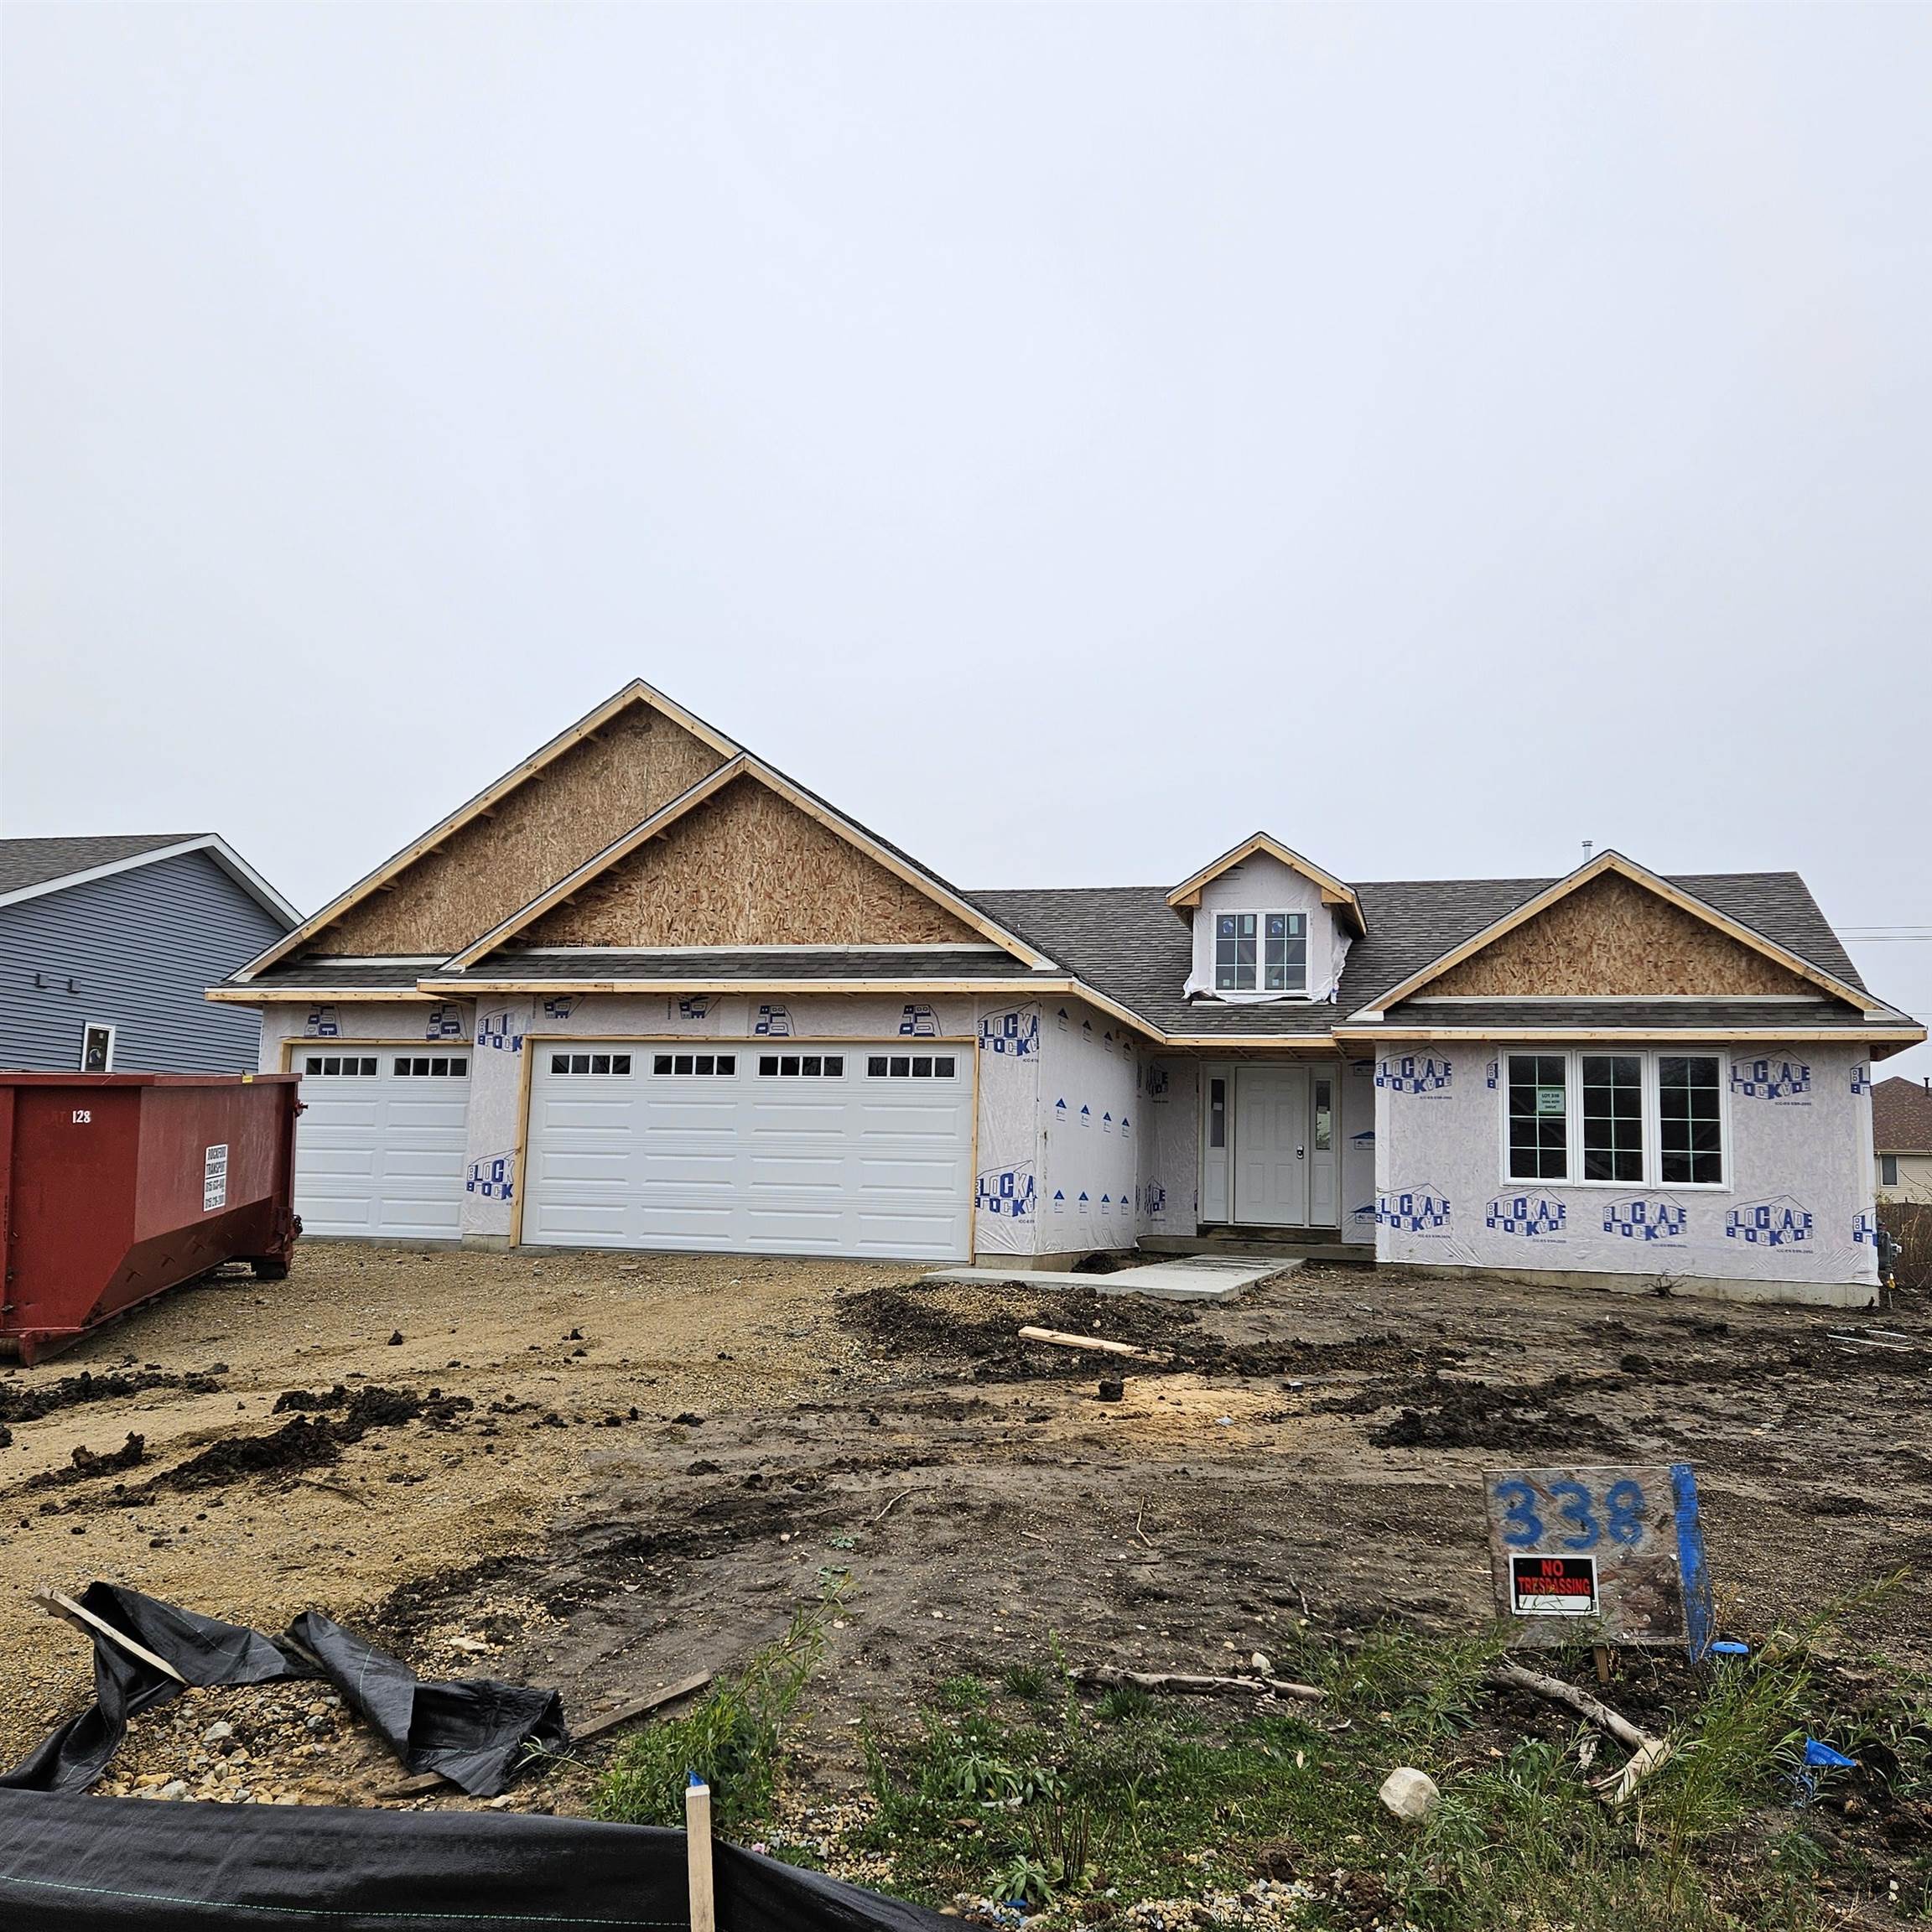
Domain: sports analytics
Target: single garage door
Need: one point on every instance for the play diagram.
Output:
(852, 1149)
(379, 1149)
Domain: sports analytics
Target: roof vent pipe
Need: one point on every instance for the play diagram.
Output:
(1589, 845)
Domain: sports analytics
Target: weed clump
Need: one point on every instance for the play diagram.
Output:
(731, 1739)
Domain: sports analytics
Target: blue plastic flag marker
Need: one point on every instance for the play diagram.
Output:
(1823, 1757)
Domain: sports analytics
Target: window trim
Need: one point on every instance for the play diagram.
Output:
(112, 1030)
(1651, 1116)
(1260, 915)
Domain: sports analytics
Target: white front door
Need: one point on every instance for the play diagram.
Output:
(1271, 1146)
(752, 1146)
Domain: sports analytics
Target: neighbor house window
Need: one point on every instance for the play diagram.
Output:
(1690, 1119)
(1539, 1117)
(1887, 1169)
(1612, 1117)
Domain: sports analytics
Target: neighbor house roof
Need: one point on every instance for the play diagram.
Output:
(1902, 1116)
(30, 868)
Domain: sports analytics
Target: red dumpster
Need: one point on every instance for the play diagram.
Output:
(115, 1187)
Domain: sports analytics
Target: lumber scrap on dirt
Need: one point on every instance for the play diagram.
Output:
(1060, 1339)
(1185, 1684)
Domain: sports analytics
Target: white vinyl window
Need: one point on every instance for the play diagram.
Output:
(1260, 951)
(1887, 1169)
(1636, 1119)
(1235, 952)
(1284, 952)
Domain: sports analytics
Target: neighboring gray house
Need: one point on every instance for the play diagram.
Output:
(106, 945)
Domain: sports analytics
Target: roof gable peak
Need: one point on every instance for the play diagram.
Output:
(1334, 892)
(1609, 863)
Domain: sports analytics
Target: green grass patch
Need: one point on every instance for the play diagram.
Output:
(1080, 1808)
(732, 1739)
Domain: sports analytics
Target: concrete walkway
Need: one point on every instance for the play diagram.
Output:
(1187, 1278)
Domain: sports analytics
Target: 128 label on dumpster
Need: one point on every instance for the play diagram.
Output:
(214, 1178)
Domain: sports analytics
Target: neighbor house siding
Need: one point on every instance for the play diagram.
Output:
(139, 949)
(1914, 1177)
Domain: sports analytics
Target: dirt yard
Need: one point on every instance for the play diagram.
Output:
(605, 1473)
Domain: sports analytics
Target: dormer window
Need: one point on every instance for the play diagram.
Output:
(1260, 951)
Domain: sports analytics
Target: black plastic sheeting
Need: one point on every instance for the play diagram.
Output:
(474, 1732)
(72, 1864)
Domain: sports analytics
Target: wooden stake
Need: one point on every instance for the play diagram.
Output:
(66, 1609)
(697, 1855)
(1600, 1656)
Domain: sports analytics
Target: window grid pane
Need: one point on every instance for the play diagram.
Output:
(1539, 1117)
(1612, 1117)
(1690, 1124)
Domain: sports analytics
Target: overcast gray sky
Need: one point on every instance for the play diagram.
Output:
(1070, 438)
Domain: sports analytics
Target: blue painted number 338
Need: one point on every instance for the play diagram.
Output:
(1620, 1516)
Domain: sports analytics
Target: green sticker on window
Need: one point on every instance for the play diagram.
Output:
(1549, 1100)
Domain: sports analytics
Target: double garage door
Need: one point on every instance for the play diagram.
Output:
(379, 1145)
(852, 1149)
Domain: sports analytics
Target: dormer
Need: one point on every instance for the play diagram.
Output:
(1267, 925)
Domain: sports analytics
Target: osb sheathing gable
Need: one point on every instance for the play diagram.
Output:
(585, 798)
(746, 868)
(1614, 939)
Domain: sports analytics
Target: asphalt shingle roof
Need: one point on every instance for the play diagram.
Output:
(1900, 1116)
(1127, 942)
(26, 862)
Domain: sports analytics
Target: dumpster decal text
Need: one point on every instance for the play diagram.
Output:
(214, 1178)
